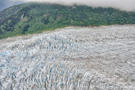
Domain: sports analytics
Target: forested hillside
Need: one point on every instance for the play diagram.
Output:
(35, 17)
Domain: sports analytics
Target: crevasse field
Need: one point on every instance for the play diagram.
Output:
(73, 58)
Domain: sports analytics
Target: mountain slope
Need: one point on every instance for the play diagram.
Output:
(36, 17)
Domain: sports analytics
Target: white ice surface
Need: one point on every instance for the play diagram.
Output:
(73, 58)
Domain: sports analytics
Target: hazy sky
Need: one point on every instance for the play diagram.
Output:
(128, 5)
(6, 3)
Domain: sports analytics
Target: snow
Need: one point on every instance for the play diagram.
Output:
(72, 58)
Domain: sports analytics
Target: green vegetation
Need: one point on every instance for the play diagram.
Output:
(35, 17)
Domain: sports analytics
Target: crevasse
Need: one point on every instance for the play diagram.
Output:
(70, 59)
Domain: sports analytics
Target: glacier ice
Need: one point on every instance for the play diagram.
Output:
(73, 58)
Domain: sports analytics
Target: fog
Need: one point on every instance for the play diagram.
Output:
(127, 5)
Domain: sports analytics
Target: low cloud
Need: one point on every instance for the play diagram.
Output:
(127, 5)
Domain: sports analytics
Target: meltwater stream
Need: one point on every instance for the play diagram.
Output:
(73, 58)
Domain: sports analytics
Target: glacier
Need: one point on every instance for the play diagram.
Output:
(72, 58)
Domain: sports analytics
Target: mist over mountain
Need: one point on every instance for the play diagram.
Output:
(127, 5)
